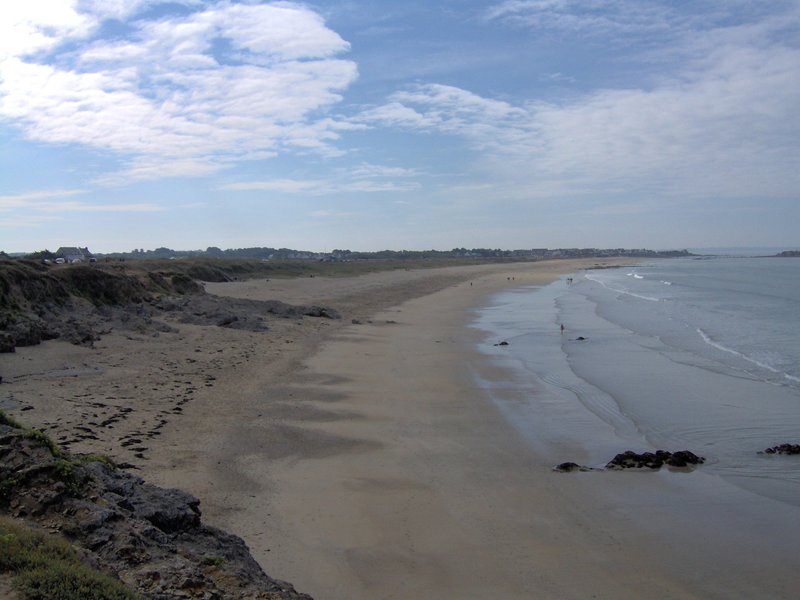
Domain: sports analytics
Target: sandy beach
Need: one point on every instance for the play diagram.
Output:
(356, 457)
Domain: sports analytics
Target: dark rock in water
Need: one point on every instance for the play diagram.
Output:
(502, 344)
(784, 449)
(654, 460)
(569, 467)
(153, 539)
(580, 338)
(684, 458)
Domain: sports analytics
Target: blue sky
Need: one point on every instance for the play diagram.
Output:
(405, 125)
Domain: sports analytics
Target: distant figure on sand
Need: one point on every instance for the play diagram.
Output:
(562, 328)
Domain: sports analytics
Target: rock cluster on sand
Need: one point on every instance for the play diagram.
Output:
(151, 538)
(645, 460)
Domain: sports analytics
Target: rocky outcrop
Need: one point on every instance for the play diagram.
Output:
(645, 460)
(151, 538)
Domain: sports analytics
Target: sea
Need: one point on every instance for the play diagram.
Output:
(696, 353)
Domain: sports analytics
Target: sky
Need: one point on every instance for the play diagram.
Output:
(373, 124)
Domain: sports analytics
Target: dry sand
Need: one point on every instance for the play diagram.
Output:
(358, 460)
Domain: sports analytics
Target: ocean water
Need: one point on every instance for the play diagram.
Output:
(697, 354)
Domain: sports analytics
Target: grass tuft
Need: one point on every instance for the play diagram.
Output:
(214, 561)
(43, 439)
(9, 421)
(103, 459)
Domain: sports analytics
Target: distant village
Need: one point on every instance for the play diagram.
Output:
(65, 254)
(69, 254)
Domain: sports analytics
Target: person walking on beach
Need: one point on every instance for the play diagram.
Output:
(562, 328)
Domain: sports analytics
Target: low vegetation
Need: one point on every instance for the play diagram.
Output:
(62, 466)
(46, 567)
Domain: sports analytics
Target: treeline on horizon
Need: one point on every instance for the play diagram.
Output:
(266, 253)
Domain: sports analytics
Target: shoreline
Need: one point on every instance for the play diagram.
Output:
(379, 421)
(698, 528)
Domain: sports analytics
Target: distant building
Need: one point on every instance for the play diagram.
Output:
(73, 255)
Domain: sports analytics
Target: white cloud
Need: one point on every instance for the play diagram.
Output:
(151, 168)
(68, 207)
(38, 25)
(25, 221)
(273, 185)
(276, 30)
(51, 201)
(558, 78)
(225, 83)
(488, 124)
(367, 170)
(119, 9)
(33, 198)
(593, 17)
(363, 178)
(327, 214)
(396, 114)
(320, 187)
(725, 124)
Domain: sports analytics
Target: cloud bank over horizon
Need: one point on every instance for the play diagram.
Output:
(278, 123)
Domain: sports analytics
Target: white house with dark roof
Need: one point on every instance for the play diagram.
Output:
(71, 254)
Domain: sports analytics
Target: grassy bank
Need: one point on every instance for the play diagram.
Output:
(46, 567)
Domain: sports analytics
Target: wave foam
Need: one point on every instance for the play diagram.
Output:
(623, 291)
(707, 339)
